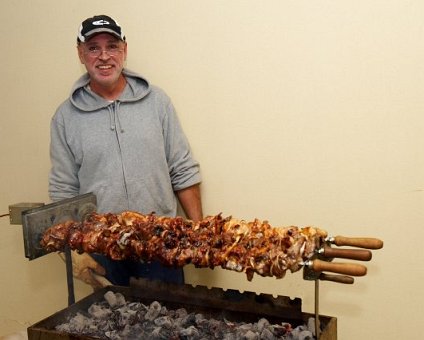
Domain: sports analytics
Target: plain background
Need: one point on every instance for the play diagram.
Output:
(300, 113)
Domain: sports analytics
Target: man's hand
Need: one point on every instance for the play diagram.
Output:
(86, 269)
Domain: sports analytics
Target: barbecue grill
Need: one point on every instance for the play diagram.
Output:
(214, 302)
(235, 306)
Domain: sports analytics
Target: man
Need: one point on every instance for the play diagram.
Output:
(119, 137)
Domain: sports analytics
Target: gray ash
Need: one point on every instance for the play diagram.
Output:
(115, 318)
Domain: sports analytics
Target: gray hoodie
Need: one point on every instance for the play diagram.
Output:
(131, 153)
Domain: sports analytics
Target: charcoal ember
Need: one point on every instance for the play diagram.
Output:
(111, 334)
(229, 336)
(301, 333)
(262, 324)
(98, 311)
(116, 319)
(266, 334)
(104, 325)
(188, 320)
(124, 316)
(164, 311)
(245, 327)
(138, 332)
(77, 324)
(162, 333)
(163, 321)
(180, 313)
(213, 328)
(251, 335)
(114, 299)
(189, 333)
(154, 311)
(281, 330)
(311, 325)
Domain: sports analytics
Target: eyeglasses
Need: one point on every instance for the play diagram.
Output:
(97, 51)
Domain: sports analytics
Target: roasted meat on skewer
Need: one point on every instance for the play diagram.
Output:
(249, 247)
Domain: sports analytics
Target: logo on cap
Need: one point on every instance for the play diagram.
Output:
(101, 22)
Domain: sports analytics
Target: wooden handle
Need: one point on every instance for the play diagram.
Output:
(352, 254)
(361, 242)
(339, 268)
(337, 278)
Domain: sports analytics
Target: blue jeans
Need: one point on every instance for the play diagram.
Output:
(119, 272)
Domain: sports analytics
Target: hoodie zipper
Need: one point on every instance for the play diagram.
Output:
(116, 126)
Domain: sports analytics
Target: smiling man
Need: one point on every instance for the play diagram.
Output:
(102, 49)
(119, 137)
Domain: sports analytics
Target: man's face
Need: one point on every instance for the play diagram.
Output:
(103, 57)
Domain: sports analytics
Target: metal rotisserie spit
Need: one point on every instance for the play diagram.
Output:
(284, 249)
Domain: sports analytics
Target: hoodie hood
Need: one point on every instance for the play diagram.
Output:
(86, 100)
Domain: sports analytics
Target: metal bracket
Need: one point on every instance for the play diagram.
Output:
(36, 221)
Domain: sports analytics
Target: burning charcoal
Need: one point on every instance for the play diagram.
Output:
(189, 333)
(110, 334)
(155, 333)
(98, 312)
(134, 305)
(215, 329)
(245, 327)
(163, 321)
(120, 299)
(114, 300)
(266, 334)
(126, 331)
(160, 333)
(311, 325)
(229, 336)
(182, 318)
(188, 320)
(137, 332)
(164, 311)
(306, 335)
(76, 324)
(116, 319)
(104, 325)
(180, 313)
(250, 335)
(279, 330)
(261, 324)
(199, 317)
(153, 311)
(126, 316)
(231, 327)
(65, 328)
(203, 325)
(301, 333)
(247, 331)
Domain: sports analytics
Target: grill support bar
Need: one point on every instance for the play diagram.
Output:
(69, 276)
(317, 323)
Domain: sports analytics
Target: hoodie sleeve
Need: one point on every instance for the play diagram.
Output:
(63, 177)
(183, 168)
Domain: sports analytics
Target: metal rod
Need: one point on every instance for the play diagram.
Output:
(69, 276)
(317, 323)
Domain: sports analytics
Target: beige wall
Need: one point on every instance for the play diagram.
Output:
(300, 112)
